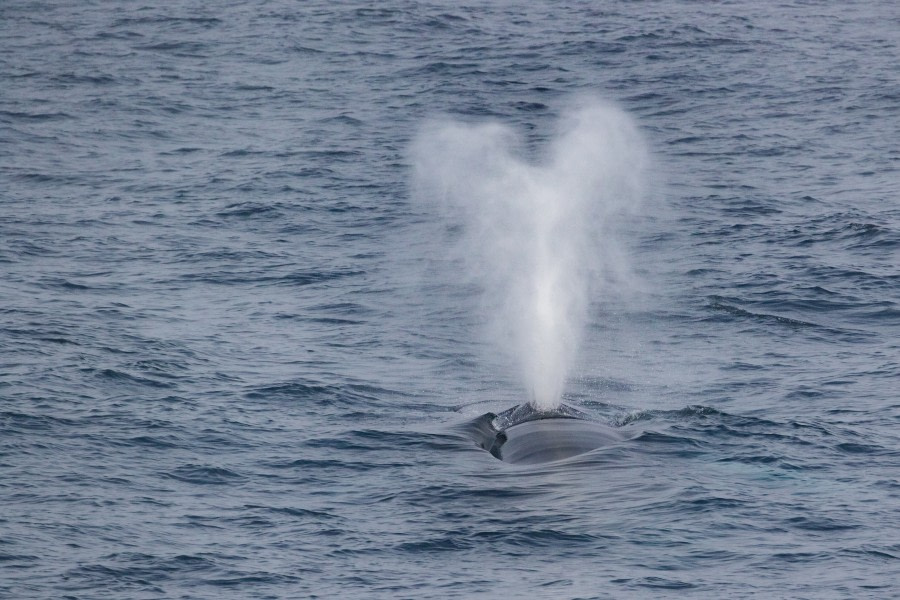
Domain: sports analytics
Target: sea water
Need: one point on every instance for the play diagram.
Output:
(234, 357)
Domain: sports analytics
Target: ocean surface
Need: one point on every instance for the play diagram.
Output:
(227, 369)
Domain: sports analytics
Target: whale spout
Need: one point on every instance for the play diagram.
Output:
(526, 435)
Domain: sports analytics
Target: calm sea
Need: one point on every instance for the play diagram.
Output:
(225, 371)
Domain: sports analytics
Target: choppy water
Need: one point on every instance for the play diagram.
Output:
(223, 374)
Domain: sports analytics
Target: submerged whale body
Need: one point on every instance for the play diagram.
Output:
(526, 435)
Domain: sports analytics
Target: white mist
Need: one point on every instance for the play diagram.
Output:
(537, 236)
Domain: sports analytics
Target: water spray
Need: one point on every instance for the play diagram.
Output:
(537, 236)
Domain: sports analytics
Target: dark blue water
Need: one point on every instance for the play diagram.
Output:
(225, 371)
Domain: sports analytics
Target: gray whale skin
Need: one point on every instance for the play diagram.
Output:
(525, 435)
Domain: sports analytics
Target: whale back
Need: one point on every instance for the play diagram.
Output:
(525, 435)
(547, 440)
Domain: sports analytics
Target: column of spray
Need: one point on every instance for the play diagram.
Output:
(537, 237)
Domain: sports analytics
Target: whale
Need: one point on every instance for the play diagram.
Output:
(526, 435)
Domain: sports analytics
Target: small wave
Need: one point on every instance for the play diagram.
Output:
(342, 120)
(718, 304)
(51, 116)
(71, 78)
(445, 21)
(128, 572)
(351, 395)
(372, 439)
(151, 442)
(117, 35)
(17, 560)
(440, 494)
(249, 209)
(873, 553)
(593, 48)
(203, 475)
(18, 422)
(181, 49)
(687, 412)
(157, 19)
(858, 448)
(846, 229)
(818, 523)
(299, 278)
(329, 154)
(117, 376)
(530, 107)
(255, 579)
(294, 512)
(661, 583)
(656, 437)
